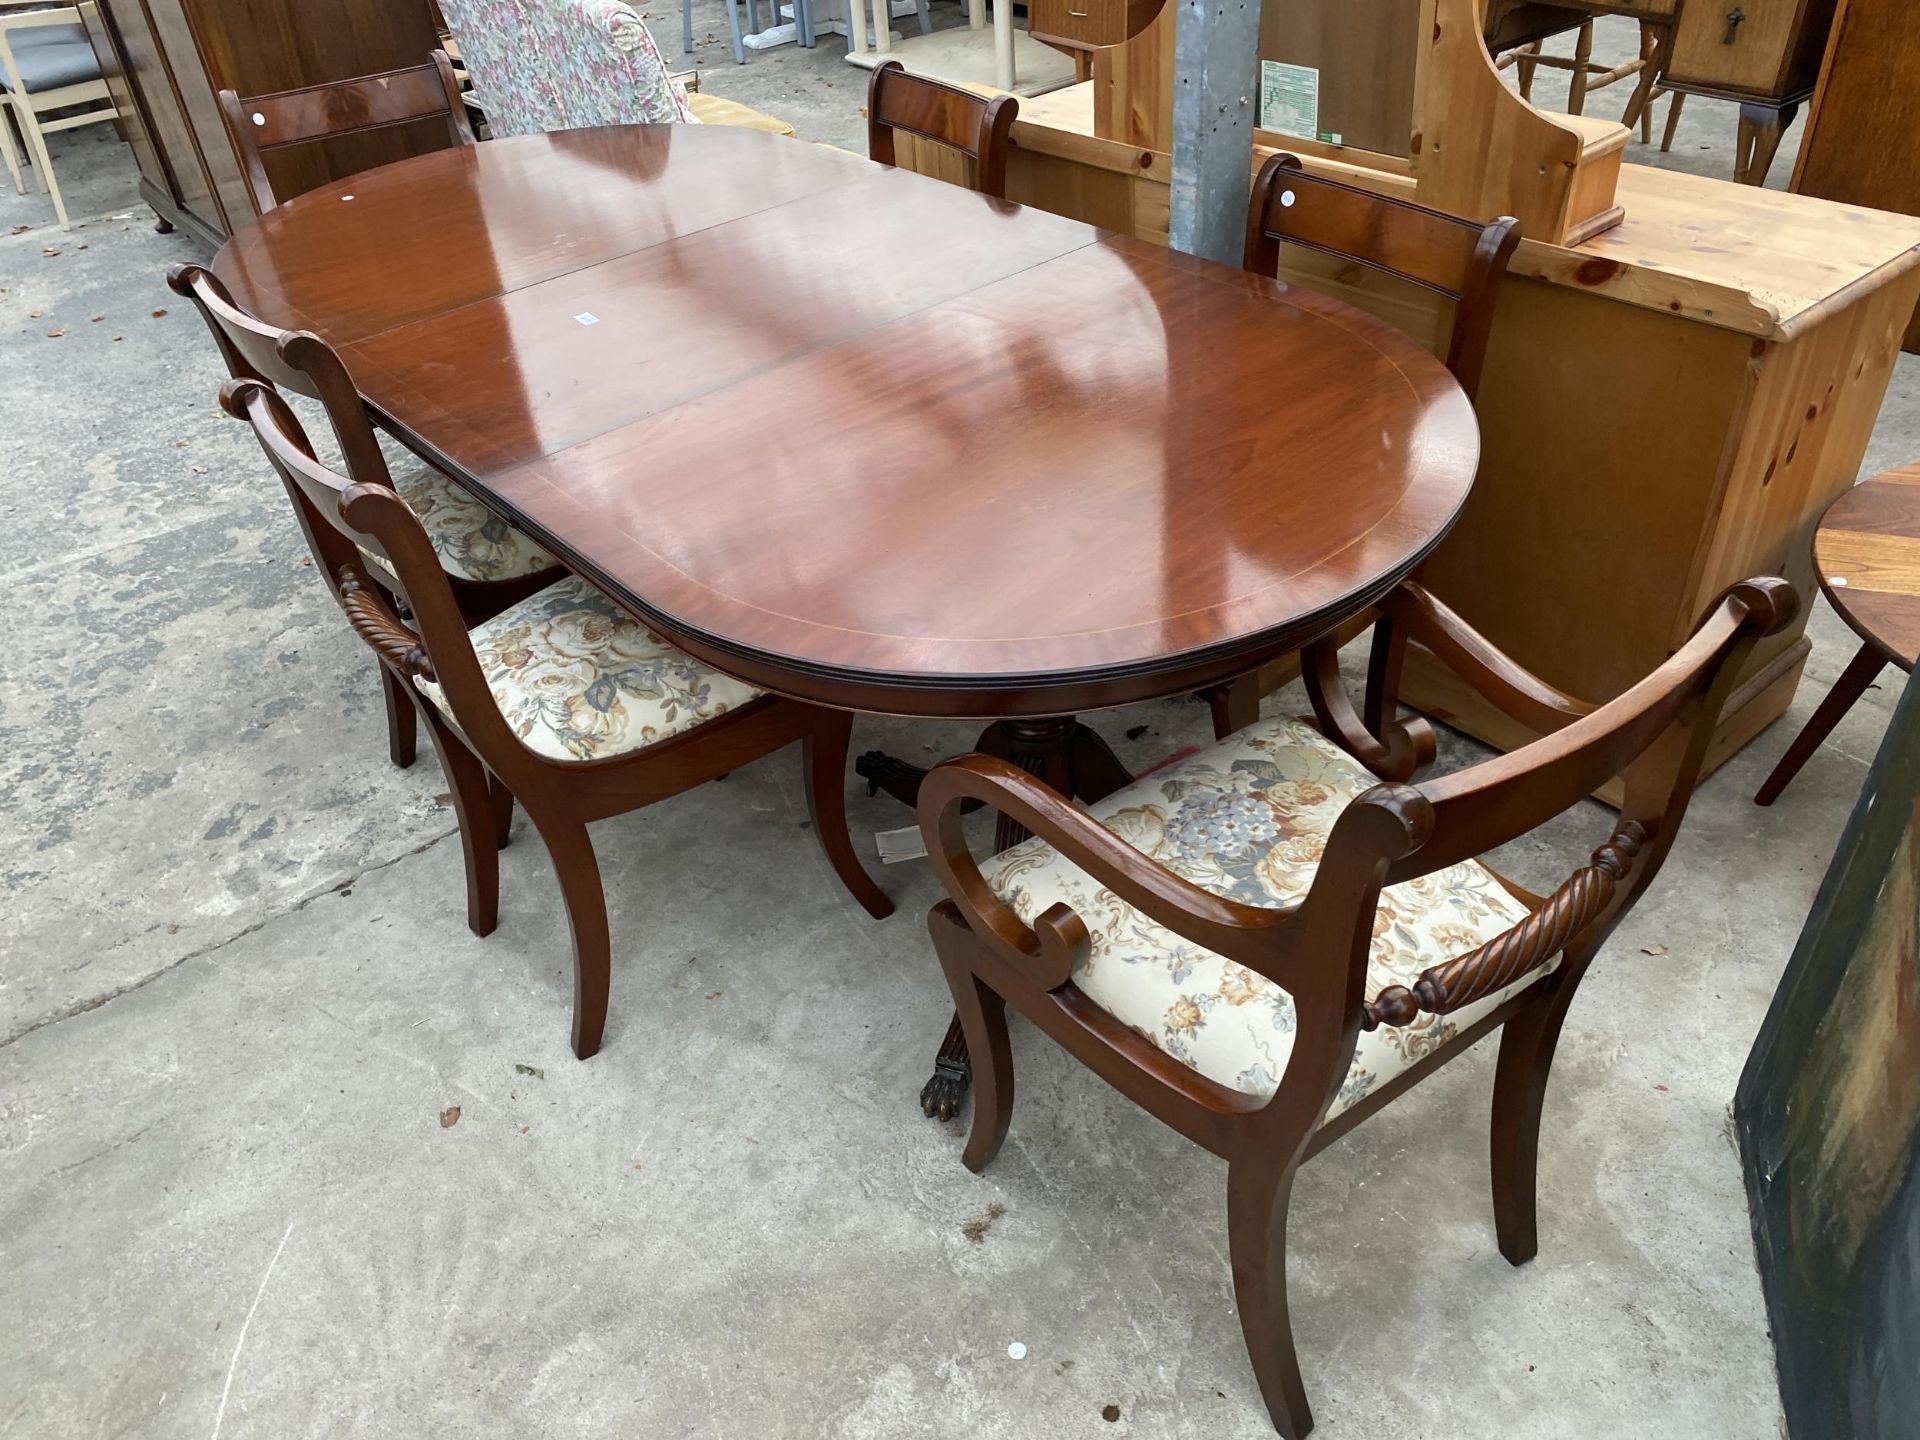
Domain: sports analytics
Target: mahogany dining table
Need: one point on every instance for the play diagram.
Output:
(875, 441)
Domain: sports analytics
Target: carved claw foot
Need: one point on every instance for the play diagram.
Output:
(943, 1095)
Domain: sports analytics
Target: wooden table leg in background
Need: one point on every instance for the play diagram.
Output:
(1073, 760)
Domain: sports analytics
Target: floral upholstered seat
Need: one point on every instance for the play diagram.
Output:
(472, 542)
(578, 678)
(1248, 819)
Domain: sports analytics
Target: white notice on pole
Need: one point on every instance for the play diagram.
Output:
(1289, 98)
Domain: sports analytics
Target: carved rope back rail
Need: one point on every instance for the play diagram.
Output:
(1473, 976)
(391, 641)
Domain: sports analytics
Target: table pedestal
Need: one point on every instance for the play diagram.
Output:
(1059, 750)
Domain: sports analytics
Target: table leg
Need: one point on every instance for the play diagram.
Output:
(1071, 759)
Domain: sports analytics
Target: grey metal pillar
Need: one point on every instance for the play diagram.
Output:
(1216, 61)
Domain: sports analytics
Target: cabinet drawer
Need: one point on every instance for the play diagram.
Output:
(1764, 48)
(1089, 23)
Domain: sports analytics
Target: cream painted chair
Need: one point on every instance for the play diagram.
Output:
(46, 64)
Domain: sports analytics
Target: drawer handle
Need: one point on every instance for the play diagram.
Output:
(1734, 19)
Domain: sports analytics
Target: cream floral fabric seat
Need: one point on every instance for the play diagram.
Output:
(1249, 819)
(472, 542)
(578, 678)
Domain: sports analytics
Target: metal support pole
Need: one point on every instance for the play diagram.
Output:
(1216, 50)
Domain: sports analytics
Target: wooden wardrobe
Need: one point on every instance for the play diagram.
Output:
(1863, 135)
(166, 60)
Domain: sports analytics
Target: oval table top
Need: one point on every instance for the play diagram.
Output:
(866, 438)
(1867, 550)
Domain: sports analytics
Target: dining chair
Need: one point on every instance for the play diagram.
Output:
(50, 81)
(1269, 942)
(978, 128)
(564, 702)
(1516, 30)
(803, 17)
(1462, 261)
(260, 124)
(489, 564)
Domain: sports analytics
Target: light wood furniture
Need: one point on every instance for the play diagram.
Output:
(555, 635)
(1051, 500)
(1516, 30)
(1468, 144)
(166, 61)
(1764, 54)
(1684, 394)
(49, 82)
(1866, 554)
(1289, 919)
(260, 125)
(972, 126)
(1859, 142)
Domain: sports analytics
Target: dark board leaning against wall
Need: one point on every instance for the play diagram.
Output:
(1828, 1113)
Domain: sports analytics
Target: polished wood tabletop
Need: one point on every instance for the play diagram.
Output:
(1868, 553)
(866, 438)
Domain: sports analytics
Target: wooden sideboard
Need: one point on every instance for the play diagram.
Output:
(165, 61)
(1667, 407)
(1859, 147)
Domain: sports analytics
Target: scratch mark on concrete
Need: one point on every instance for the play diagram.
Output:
(220, 1415)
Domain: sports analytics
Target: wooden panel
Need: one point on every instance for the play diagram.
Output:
(1133, 87)
(183, 176)
(1481, 151)
(1774, 51)
(1366, 52)
(1812, 415)
(1858, 145)
(1828, 1117)
(255, 48)
(113, 70)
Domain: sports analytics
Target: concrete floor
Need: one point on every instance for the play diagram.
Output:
(236, 996)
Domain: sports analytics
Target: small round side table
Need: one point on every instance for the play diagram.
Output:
(1867, 552)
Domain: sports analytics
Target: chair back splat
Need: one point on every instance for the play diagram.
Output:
(1456, 258)
(979, 128)
(259, 124)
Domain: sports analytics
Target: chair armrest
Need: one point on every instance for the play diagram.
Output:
(1057, 939)
(1562, 917)
(1518, 692)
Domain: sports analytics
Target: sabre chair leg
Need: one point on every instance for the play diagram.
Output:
(402, 719)
(825, 762)
(571, 850)
(501, 800)
(467, 778)
(1861, 672)
(983, 1020)
(1527, 1043)
(1257, 1195)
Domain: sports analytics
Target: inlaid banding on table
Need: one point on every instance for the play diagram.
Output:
(984, 461)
